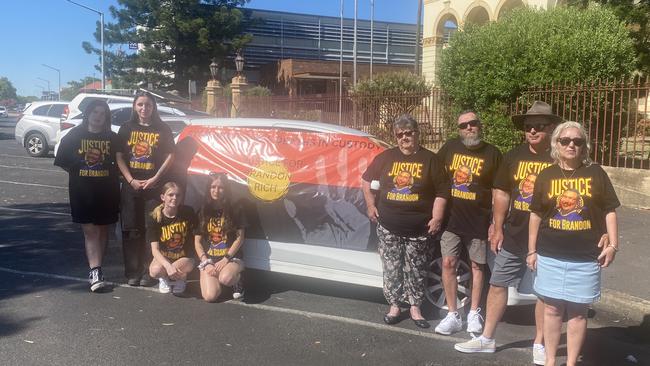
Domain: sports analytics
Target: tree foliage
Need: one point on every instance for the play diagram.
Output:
(180, 38)
(7, 90)
(74, 86)
(387, 96)
(636, 15)
(487, 67)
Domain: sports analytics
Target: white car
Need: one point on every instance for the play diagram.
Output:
(175, 117)
(38, 125)
(300, 185)
(3, 111)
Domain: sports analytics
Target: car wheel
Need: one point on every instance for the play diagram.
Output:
(434, 291)
(36, 145)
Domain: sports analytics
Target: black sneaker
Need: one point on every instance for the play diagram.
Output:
(238, 291)
(147, 281)
(96, 279)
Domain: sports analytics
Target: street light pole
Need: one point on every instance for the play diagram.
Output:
(59, 72)
(101, 36)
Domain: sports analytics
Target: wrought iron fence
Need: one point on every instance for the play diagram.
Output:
(370, 113)
(616, 115)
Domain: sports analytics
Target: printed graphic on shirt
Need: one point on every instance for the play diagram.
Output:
(217, 245)
(465, 167)
(404, 175)
(570, 204)
(142, 144)
(94, 153)
(526, 175)
(172, 237)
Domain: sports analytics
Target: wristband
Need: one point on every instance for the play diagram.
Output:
(228, 257)
(613, 246)
(531, 253)
(204, 263)
(132, 179)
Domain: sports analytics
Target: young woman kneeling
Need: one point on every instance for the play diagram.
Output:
(218, 241)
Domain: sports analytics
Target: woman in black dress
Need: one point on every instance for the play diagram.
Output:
(87, 153)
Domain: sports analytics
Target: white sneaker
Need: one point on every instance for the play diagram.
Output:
(477, 345)
(238, 290)
(163, 286)
(452, 323)
(539, 354)
(474, 321)
(179, 286)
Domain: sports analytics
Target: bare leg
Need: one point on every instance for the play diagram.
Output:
(229, 275)
(496, 305)
(210, 287)
(553, 312)
(449, 281)
(539, 321)
(576, 331)
(477, 284)
(416, 314)
(184, 265)
(95, 237)
(156, 270)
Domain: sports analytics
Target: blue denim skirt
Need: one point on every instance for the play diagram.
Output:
(577, 282)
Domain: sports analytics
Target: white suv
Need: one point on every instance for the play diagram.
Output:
(37, 126)
(3, 111)
(81, 100)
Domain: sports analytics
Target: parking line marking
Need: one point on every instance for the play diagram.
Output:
(32, 184)
(307, 314)
(28, 168)
(18, 156)
(34, 211)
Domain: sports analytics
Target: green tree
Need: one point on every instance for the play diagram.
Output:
(487, 67)
(180, 38)
(636, 16)
(73, 88)
(387, 96)
(7, 90)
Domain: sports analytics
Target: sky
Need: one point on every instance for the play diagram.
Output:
(37, 32)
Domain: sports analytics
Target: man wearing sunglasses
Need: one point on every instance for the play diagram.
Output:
(471, 164)
(513, 185)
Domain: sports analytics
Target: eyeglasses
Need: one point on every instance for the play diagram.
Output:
(472, 123)
(399, 135)
(577, 141)
(537, 126)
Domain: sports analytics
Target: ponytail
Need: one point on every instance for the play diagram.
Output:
(157, 214)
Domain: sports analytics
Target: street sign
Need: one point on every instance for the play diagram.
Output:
(133, 45)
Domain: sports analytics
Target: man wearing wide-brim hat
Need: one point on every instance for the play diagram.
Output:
(509, 235)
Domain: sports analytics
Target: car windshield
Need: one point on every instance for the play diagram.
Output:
(191, 112)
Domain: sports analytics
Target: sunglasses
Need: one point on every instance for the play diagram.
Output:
(537, 126)
(472, 123)
(399, 135)
(577, 141)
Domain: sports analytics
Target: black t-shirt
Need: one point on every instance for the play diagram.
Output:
(175, 235)
(572, 205)
(145, 148)
(218, 232)
(471, 172)
(408, 186)
(517, 175)
(89, 159)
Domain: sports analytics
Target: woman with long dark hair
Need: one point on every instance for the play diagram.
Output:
(146, 154)
(87, 153)
(219, 239)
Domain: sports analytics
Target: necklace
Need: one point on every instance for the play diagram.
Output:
(570, 176)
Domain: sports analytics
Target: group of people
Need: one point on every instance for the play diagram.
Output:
(542, 207)
(160, 236)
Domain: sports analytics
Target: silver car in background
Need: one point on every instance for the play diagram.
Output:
(38, 125)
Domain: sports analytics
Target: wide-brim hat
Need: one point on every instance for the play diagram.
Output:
(538, 108)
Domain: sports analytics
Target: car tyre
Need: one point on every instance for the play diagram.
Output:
(36, 144)
(435, 293)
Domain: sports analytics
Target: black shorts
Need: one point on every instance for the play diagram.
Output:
(98, 205)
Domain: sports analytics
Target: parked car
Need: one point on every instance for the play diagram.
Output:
(175, 117)
(37, 126)
(3, 111)
(300, 186)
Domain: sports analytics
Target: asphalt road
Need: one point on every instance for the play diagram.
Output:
(48, 317)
